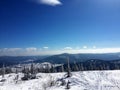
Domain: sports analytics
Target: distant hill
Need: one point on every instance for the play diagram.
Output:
(59, 59)
(12, 60)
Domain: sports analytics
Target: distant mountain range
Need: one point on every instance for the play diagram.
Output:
(12, 60)
(59, 59)
(111, 60)
(62, 58)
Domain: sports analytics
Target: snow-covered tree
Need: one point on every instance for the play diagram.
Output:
(76, 67)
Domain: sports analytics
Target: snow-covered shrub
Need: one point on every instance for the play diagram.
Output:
(16, 78)
(61, 82)
(3, 80)
(49, 83)
(26, 76)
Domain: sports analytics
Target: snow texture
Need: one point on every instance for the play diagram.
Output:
(84, 80)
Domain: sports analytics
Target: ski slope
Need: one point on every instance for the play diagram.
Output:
(85, 80)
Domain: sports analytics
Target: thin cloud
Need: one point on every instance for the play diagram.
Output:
(94, 47)
(36, 51)
(68, 48)
(10, 49)
(50, 2)
(45, 47)
(31, 49)
(85, 47)
(77, 48)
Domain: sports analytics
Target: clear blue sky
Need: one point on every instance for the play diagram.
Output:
(72, 23)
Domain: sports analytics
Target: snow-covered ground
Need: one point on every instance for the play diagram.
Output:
(86, 80)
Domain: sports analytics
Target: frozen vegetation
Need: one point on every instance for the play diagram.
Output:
(82, 80)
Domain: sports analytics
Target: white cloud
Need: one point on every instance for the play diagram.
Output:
(77, 47)
(68, 48)
(11, 49)
(45, 47)
(94, 47)
(31, 49)
(37, 51)
(50, 2)
(93, 50)
(85, 47)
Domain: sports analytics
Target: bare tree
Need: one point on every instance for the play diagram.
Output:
(3, 71)
(62, 67)
(68, 85)
(68, 68)
(16, 71)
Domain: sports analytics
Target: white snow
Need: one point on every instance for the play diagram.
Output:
(84, 80)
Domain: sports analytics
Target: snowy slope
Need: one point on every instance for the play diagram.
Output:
(86, 80)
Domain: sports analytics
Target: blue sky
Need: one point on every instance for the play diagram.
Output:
(40, 27)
